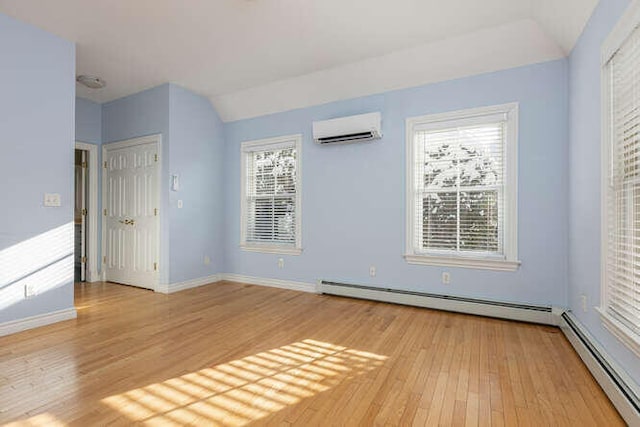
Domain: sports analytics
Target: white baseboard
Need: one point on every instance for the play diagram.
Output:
(20, 325)
(606, 380)
(93, 276)
(274, 283)
(187, 284)
(459, 305)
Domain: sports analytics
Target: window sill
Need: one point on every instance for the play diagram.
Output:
(475, 263)
(620, 331)
(272, 249)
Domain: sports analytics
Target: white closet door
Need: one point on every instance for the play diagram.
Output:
(131, 215)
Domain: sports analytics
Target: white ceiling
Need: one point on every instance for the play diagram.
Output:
(245, 55)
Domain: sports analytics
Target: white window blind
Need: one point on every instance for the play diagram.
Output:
(271, 196)
(622, 278)
(459, 196)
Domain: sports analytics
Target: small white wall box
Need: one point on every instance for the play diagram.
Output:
(52, 199)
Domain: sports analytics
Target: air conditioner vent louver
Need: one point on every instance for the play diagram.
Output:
(360, 136)
(363, 127)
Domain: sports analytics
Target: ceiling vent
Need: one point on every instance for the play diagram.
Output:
(363, 127)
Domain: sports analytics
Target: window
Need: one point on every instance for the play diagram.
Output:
(270, 210)
(461, 188)
(620, 302)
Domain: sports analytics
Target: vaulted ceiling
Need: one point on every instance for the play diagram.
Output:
(253, 57)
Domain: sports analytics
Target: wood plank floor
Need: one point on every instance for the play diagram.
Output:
(232, 354)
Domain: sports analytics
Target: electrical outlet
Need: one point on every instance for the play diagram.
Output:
(30, 290)
(446, 278)
(280, 262)
(583, 301)
(52, 200)
(372, 271)
(207, 260)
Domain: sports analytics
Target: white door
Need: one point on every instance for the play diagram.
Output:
(131, 213)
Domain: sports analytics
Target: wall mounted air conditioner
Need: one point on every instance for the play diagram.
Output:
(363, 127)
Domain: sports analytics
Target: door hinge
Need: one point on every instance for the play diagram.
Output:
(105, 212)
(83, 260)
(84, 212)
(155, 157)
(84, 165)
(155, 211)
(105, 164)
(155, 266)
(104, 259)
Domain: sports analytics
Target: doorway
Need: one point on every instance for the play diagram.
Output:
(85, 212)
(131, 216)
(79, 216)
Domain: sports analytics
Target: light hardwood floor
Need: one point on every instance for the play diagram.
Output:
(231, 354)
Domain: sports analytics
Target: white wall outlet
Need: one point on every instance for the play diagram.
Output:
(446, 278)
(280, 262)
(372, 271)
(30, 290)
(207, 260)
(52, 200)
(583, 301)
(180, 204)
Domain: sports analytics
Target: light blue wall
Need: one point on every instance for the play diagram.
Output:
(144, 113)
(37, 94)
(353, 199)
(88, 121)
(585, 175)
(196, 156)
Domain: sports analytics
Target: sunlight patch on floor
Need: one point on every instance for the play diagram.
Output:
(247, 389)
(40, 420)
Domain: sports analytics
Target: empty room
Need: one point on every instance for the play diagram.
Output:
(320, 212)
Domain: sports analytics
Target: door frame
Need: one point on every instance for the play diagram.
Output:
(93, 272)
(157, 139)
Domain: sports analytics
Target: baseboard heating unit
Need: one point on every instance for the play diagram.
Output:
(611, 378)
(527, 313)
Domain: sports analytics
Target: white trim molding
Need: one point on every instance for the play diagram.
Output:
(273, 283)
(623, 29)
(507, 258)
(620, 331)
(475, 263)
(27, 323)
(616, 384)
(92, 234)
(271, 249)
(187, 284)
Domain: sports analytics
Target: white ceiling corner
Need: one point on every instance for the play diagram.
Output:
(257, 57)
(563, 20)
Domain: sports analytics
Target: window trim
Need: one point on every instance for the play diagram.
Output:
(247, 147)
(510, 229)
(623, 29)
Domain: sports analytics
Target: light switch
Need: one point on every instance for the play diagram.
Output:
(52, 199)
(179, 204)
